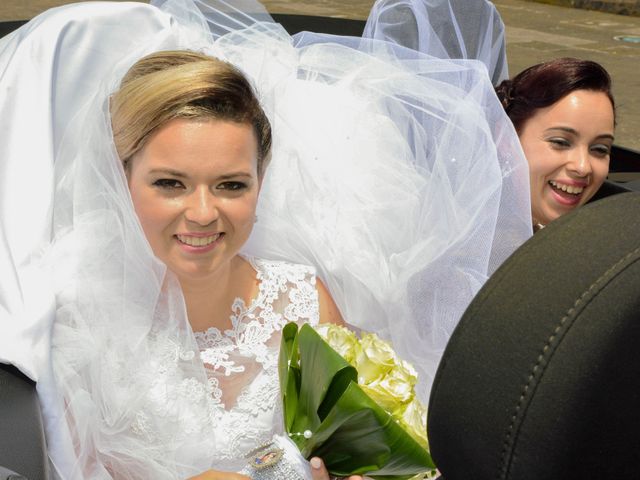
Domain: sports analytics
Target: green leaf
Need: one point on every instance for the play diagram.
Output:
(289, 373)
(359, 437)
(324, 375)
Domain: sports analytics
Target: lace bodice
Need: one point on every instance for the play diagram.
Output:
(241, 362)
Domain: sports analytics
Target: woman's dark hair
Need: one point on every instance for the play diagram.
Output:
(544, 84)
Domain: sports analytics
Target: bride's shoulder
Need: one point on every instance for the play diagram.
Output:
(284, 271)
(270, 268)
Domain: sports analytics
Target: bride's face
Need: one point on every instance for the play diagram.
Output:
(195, 187)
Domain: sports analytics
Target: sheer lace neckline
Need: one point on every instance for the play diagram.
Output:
(241, 361)
(253, 325)
(240, 308)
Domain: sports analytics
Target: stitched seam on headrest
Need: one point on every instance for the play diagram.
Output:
(497, 280)
(537, 371)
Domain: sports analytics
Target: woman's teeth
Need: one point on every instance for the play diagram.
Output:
(198, 241)
(566, 188)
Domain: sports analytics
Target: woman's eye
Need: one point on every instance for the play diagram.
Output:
(233, 186)
(559, 143)
(601, 150)
(168, 183)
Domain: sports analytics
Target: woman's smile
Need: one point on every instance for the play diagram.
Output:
(567, 193)
(199, 243)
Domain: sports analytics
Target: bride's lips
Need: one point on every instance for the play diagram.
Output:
(568, 193)
(198, 242)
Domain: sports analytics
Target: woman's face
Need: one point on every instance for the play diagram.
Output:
(567, 146)
(195, 188)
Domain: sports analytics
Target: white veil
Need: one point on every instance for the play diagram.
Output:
(396, 174)
(469, 29)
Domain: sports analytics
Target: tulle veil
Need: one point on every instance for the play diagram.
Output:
(456, 29)
(395, 173)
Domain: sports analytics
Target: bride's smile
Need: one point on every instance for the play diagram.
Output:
(199, 243)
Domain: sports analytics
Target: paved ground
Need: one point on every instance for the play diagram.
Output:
(535, 32)
(624, 7)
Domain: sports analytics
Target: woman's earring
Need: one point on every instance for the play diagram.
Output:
(255, 219)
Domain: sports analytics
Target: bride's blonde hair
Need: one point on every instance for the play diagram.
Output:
(183, 84)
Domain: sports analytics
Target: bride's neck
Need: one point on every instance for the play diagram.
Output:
(209, 300)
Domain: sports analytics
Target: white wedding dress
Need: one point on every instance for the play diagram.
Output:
(395, 174)
(242, 362)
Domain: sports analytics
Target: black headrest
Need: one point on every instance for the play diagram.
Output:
(541, 378)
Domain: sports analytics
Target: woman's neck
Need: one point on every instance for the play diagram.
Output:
(209, 301)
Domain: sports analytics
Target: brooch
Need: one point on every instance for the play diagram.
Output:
(268, 462)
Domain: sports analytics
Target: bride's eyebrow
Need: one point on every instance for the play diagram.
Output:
(228, 176)
(178, 174)
(167, 171)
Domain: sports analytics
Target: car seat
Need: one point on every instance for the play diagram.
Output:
(23, 451)
(541, 378)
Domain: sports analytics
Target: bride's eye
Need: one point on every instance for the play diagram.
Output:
(232, 186)
(168, 183)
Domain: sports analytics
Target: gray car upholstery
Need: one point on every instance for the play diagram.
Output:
(22, 441)
(541, 378)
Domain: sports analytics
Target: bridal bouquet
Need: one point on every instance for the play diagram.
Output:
(351, 401)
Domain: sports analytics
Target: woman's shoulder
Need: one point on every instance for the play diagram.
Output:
(279, 272)
(289, 287)
(284, 270)
(261, 263)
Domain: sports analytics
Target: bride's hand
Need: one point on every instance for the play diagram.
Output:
(319, 471)
(218, 475)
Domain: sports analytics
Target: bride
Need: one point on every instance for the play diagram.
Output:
(164, 256)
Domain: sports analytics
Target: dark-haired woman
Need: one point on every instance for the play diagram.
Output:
(564, 114)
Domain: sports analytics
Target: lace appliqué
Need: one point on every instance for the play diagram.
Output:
(217, 351)
(287, 293)
(173, 396)
(304, 303)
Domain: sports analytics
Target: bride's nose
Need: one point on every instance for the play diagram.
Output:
(201, 207)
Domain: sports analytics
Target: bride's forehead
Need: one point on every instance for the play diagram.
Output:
(201, 144)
